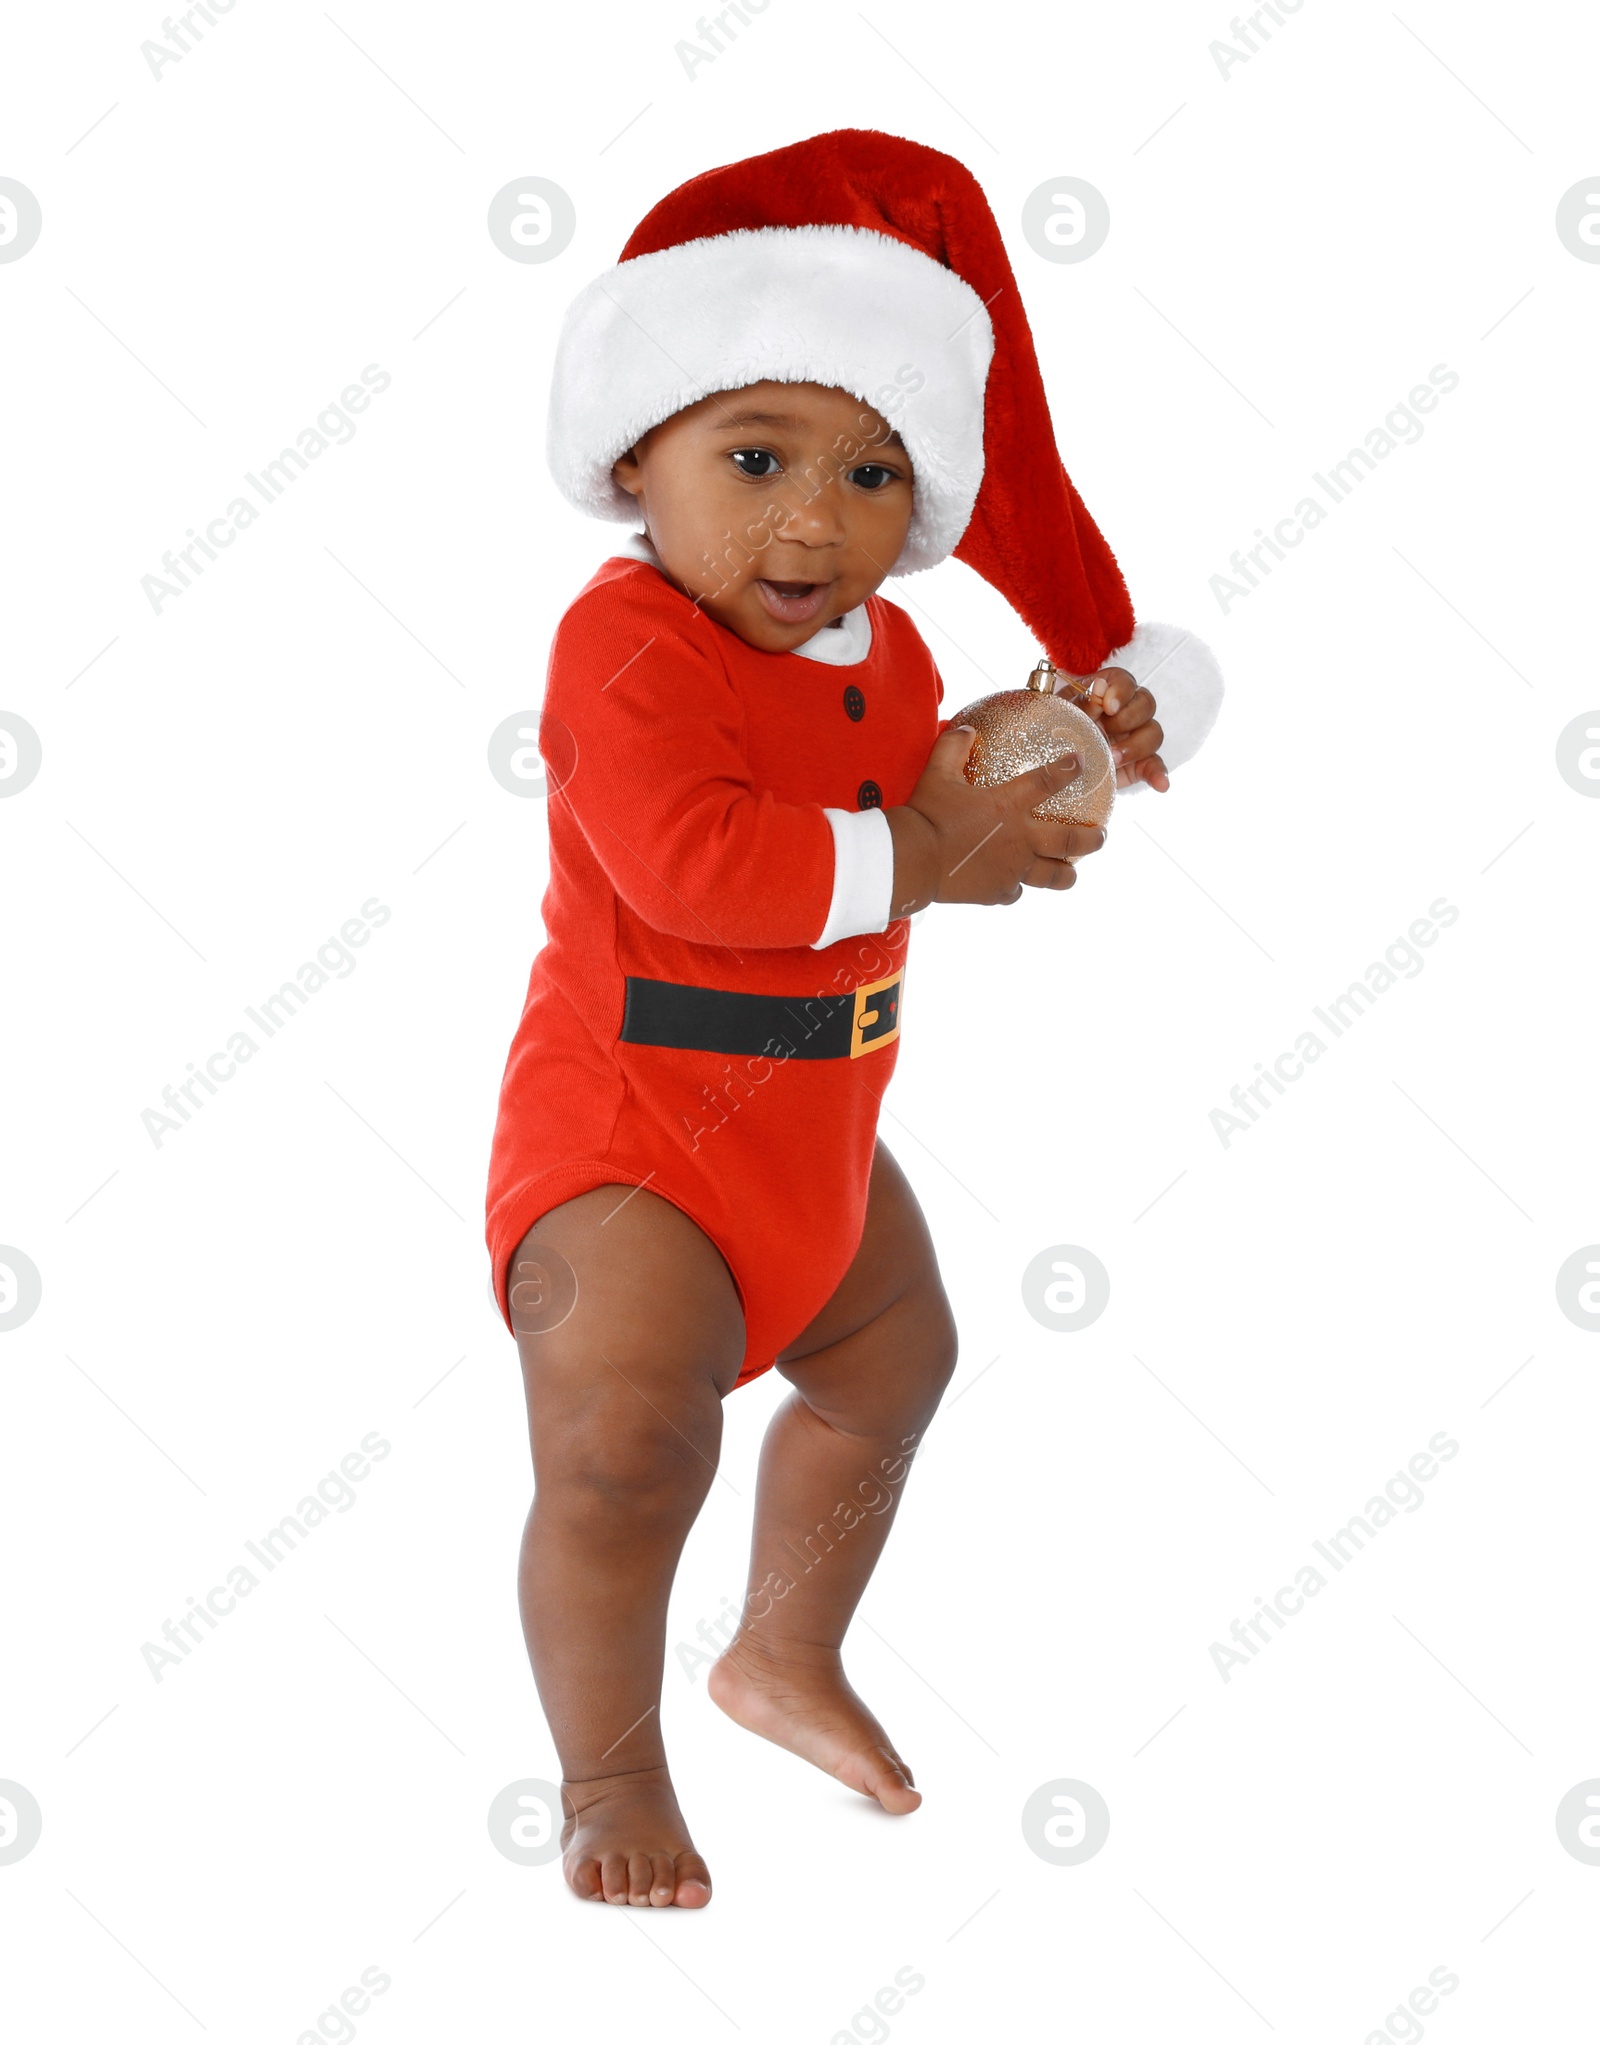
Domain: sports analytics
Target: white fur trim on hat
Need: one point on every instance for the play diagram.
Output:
(841, 306)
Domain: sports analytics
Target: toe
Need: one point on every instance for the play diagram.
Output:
(583, 1878)
(614, 1877)
(889, 1780)
(639, 1872)
(694, 1882)
(663, 1879)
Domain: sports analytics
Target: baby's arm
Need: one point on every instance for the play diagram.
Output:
(957, 843)
(641, 731)
(643, 735)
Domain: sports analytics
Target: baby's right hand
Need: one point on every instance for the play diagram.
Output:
(957, 843)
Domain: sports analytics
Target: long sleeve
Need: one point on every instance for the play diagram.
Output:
(641, 732)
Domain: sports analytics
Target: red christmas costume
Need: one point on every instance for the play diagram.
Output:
(688, 844)
(717, 810)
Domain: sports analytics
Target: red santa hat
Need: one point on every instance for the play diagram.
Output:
(874, 265)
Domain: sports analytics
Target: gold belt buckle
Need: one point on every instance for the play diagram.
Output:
(875, 1018)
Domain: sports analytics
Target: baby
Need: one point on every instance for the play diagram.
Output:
(752, 790)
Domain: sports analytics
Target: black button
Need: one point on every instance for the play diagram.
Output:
(869, 796)
(855, 703)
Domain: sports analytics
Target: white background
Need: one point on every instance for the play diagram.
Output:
(226, 1314)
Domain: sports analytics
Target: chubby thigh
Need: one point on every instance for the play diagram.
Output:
(630, 1333)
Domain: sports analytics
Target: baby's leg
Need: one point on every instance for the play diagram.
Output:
(868, 1374)
(625, 1417)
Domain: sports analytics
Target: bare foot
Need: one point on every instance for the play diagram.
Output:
(798, 1698)
(626, 1842)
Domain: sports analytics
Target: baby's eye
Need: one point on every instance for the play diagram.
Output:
(871, 476)
(755, 457)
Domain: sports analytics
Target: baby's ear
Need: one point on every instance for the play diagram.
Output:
(625, 472)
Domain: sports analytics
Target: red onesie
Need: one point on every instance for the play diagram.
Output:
(680, 1031)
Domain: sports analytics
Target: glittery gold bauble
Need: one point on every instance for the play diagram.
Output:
(1023, 728)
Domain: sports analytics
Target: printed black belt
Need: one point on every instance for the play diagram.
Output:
(762, 1025)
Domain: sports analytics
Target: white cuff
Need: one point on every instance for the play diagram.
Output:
(863, 875)
(1181, 672)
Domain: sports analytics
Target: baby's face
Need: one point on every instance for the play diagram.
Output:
(777, 507)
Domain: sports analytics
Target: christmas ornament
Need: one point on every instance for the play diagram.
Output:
(1022, 728)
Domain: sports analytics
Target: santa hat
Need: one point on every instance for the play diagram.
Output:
(874, 265)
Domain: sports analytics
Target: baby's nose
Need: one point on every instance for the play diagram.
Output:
(816, 521)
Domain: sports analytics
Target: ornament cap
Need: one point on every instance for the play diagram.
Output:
(1047, 680)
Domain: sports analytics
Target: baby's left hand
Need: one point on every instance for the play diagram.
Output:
(1126, 713)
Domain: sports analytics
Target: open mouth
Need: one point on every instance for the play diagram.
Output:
(792, 603)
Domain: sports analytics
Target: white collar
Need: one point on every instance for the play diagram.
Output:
(845, 643)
